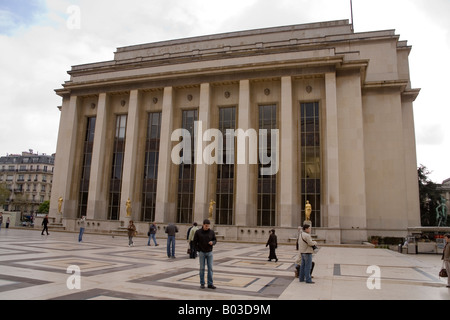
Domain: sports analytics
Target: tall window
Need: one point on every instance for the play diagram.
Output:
(267, 184)
(186, 177)
(117, 167)
(86, 169)
(151, 166)
(225, 171)
(310, 159)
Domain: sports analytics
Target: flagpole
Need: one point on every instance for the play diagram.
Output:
(351, 12)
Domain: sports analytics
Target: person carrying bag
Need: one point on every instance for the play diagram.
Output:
(445, 270)
(306, 250)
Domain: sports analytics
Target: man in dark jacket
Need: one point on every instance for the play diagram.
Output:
(171, 229)
(204, 240)
(45, 223)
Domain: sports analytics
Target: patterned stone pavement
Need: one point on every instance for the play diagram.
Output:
(102, 267)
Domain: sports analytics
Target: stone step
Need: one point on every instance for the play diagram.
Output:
(313, 236)
(120, 231)
(56, 226)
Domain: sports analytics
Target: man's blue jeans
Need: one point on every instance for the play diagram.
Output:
(305, 268)
(171, 244)
(80, 236)
(208, 256)
(152, 236)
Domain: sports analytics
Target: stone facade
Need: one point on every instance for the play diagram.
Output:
(341, 102)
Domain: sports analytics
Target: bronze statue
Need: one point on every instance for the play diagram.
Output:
(60, 202)
(128, 207)
(441, 212)
(308, 210)
(211, 208)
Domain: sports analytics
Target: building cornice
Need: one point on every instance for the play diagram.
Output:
(225, 67)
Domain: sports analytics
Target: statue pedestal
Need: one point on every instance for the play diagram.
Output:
(307, 222)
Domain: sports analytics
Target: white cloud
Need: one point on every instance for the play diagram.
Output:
(35, 58)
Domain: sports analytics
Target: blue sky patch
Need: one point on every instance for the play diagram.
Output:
(15, 14)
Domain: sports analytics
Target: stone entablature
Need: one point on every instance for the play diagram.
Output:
(226, 57)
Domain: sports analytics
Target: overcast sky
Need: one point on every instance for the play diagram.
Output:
(40, 41)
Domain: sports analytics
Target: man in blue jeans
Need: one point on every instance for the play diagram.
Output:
(204, 240)
(171, 229)
(305, 246)
(82, 228)
(152, 234)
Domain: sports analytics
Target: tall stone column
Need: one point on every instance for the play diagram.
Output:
(352, 193)
(97, 199)
(201, 202)
(331, 168)
(164, 212)
(243, 171)
(64, 161)
(289, 207)
(412, 187)
(130, 160)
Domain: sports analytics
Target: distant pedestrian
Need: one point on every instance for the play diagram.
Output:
(204, 240)
(131, 233)
(7, 222)
(446, 257)
(45, 224)
(192, 248)
(273, 244)
(82, 228)
(171, 230)
(152, 234)
(1, 220)
(306, 250)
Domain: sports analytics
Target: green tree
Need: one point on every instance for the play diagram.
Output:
(44, 207)
(4, 194)
(429, 197)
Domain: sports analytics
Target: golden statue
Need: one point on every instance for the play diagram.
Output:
(128, 207)
(308, 210)
(60, 201)
(211, 208)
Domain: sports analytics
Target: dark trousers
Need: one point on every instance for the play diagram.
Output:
(193, 253)
(272, 254)
(45, 229)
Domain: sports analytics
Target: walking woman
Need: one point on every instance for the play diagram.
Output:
(446, 256)
(272, 243)
(131, 233)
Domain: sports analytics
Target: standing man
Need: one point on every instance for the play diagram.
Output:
(306, 250)
(82, 228)
(204, 240)
(171, 229)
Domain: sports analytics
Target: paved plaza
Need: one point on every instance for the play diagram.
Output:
(33, 266)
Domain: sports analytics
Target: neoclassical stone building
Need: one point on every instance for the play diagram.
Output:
(339, 104)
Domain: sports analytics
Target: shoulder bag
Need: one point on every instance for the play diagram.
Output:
(443, 272)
